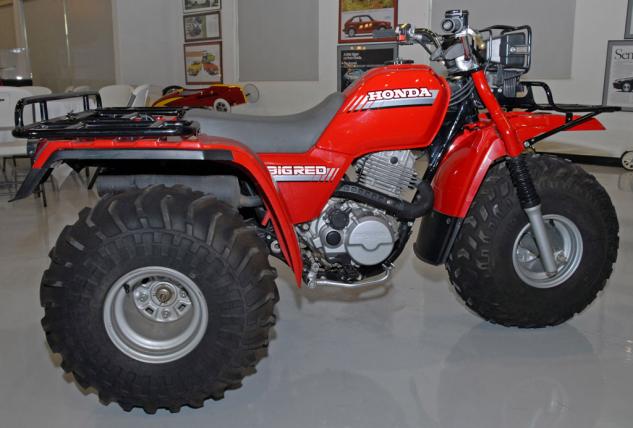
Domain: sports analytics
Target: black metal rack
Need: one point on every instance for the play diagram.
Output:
(527, 102)
(113, 122)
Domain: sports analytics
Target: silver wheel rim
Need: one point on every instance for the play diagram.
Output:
(155, 314)
(567, 244)
(627, 161)
(222, 106)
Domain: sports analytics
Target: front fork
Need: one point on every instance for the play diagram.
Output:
(519, 173)
(531, 204)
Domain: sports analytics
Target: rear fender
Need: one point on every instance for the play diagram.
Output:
(51, 153)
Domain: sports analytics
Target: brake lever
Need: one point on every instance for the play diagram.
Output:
(424, 35)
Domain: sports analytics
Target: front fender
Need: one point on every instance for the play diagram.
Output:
(455, 185)
(51, 153)
(463, 169)
(465, 165)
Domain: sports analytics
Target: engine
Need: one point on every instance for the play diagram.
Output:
(351, 234)
(348, 231)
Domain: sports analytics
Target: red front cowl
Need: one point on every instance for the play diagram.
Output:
(474, 151)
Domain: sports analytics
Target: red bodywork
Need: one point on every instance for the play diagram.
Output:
(359, 128)
(204, 97)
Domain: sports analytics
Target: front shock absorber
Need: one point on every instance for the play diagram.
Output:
(520, 175)
(531, 204)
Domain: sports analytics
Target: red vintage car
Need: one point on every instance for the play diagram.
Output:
(220, 97)
(364, 24)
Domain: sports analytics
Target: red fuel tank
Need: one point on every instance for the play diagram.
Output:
(396, 107)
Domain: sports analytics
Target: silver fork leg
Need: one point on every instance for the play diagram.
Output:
(542, 239)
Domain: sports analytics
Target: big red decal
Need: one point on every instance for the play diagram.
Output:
(302, 172)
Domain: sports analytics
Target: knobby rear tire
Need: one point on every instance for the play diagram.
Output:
(179, 229)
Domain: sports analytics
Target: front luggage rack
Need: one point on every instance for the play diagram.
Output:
(527, 103)
(112, 122)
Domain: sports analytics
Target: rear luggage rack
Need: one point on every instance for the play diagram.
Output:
(113, 122)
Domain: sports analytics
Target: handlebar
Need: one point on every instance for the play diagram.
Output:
(464, 49)
(406, 34)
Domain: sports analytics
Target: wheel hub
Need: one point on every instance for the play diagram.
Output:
(155, 314)
(160, 300)
(164, 293)
(567, 245)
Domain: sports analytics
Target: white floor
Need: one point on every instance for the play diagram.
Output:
(412, 356)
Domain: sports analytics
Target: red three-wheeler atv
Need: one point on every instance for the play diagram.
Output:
(162, 294)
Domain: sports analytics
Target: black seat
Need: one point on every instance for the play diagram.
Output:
(294, 133)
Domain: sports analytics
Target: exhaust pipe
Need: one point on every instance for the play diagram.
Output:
(420, 206)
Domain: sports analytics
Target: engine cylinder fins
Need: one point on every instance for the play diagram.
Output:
(388, 172)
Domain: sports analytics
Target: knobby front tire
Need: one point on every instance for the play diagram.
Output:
(494, 264)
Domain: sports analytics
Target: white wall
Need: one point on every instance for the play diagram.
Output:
(290, 97)
(7, 26)
(149, 38)
(596, 23)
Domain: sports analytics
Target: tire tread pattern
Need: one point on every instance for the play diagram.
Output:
(198, 232)
(472, 268)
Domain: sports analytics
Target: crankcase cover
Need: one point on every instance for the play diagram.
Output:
(370, 241)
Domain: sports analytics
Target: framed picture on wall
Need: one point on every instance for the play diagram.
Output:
(628, 30)
(202, 26)
(358, 19)
(203, 63)
(356, 60)
(195, 6)
(618, 76)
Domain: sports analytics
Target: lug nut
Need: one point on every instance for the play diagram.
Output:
(165, 314)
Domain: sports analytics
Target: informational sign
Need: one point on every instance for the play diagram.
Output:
(618, 77)
(355, 60)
